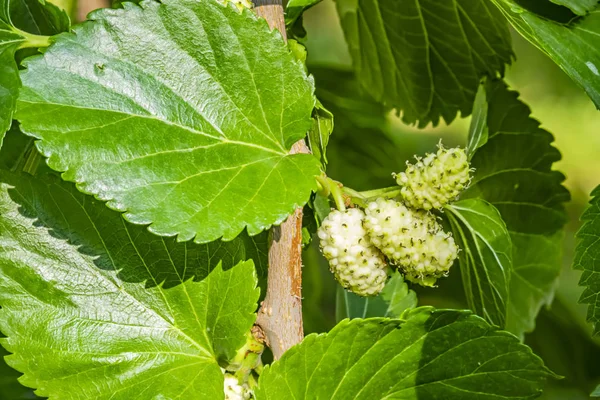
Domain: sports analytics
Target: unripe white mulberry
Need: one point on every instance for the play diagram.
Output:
(235, 391)
(436, 179)
(240, 4)
(357, 265)
(411, 239)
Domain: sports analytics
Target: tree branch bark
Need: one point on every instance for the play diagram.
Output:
(280, 315)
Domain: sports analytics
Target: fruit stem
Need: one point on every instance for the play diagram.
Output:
(387, 193)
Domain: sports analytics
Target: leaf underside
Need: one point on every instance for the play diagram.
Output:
(426, 57)
(574, 46)
(485, 259)
(94, 307)
(432, 354)
(180, 114)
(587, 259)
(513, 171)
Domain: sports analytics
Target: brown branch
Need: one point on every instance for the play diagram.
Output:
(280, 315)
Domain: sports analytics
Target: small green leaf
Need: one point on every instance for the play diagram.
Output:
(587, 259)
(574, 47)
(478, 131)
(596, 392)
(295, 8)
(425, 58)
(318, 135)
(431, 355)
(93, 307)
(513, 171)
(203, 158)
(579, 7)
(486, 257)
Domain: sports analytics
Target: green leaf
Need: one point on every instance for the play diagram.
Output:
(38, 17)
(574, 47)
(395, 298)
(513, 171)
(478, 130)
(486, 257)
(203, 158)
(295, 8)
(318, 135)
(596, 392)
(579, 7)
(587, 259)
(432, 354)
(425, 58)
(93, 307)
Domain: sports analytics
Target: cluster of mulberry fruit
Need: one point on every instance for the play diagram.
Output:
(359, 244)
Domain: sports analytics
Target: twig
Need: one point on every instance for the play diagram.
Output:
(280, 316)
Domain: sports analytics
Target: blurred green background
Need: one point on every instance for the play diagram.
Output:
(363, 157)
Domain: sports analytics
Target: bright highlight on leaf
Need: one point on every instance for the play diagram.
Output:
(431, 354)
(96, 308)
(180, 114)
(425, 57)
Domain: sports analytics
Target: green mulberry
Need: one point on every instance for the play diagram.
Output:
(234, 390)
(435, 180)
(357, 265)
(413, 240)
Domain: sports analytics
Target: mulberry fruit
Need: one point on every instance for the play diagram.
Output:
(413, 240)
(436, 179)
(357, 265)
(234, 390)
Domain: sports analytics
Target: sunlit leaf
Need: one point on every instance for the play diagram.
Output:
(430, 355)
(211, 101)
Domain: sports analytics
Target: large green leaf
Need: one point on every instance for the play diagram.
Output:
(295, 8)
(513, 171)
(93, 307)
(179, 113)
(587, 259)
(395, 298)
(431, 355)
(486, 256)
(574, 47)
(425, 57)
